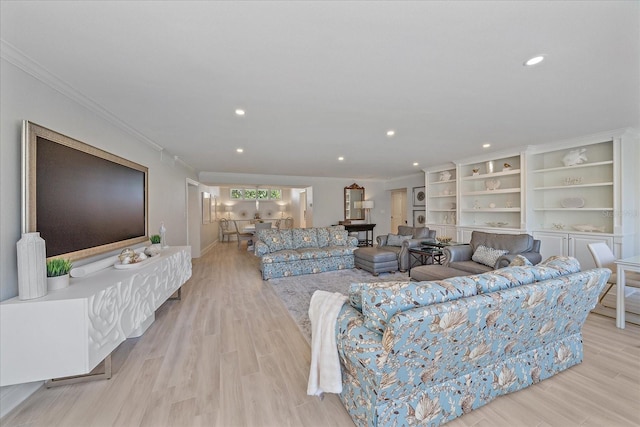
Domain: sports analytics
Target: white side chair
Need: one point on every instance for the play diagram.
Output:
(604, 258)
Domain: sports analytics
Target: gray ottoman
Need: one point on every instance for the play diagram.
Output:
(425, 273)
(375, 260)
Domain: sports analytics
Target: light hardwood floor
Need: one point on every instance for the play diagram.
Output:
(228, 354)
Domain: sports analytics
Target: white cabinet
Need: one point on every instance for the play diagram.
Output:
(491, 193)
(70, 331)
(441, 196)
(570, 244)
(445, 231)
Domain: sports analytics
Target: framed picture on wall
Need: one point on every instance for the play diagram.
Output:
(419, 218)
(419, 196)
(206, 207)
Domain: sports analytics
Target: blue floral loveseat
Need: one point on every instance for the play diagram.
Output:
(423, 353)
(291, 252)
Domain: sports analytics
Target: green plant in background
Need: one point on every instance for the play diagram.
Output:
(155, 239)
(58, 267)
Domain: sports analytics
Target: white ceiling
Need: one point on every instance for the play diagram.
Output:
(325, 79)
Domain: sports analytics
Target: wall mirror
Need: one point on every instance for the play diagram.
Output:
(353, 197)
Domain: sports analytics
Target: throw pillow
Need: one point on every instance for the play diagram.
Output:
(396, 240)
(487, 256)
(519, 261)
(338, 237)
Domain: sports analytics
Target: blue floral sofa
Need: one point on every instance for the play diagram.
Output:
(291, 252)
(423, 353)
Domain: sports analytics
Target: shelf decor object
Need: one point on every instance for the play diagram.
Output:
(32, 267)
(492, 184)
(575, 157)
(572, 202)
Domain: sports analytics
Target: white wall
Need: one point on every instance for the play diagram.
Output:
(26, 98)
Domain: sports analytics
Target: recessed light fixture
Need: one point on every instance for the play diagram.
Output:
(239, 150)
(239, 112)
(391, 132)
(486, 145)
(415, 163)
(341, 158)
(534, 61)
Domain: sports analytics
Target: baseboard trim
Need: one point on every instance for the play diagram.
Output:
(12, 395)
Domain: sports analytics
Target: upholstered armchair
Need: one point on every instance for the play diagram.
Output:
(467, 257)
(407, 237)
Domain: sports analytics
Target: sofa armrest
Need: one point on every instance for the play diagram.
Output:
(403, 255)
(260, 248)
(457, 253)
(382, 240)
(504, 261)
(352, 241)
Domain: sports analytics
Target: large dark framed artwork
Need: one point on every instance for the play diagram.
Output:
(419, 196)
(82, 200)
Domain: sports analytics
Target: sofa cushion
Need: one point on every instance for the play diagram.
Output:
(355, 291)
(335, 251)
(313, 253)
(276, 240)
(487, 256)
(379, 305)
(470, 267)
(284, 255)
(564, 264)
(513, 243)
(421, 232)
(338, 237)
(323, 234)
(519, 261)
(304, 238)
(396, 240)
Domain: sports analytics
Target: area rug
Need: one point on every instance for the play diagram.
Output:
(296, 291)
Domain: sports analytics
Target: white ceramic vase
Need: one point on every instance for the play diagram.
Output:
(57, 282)
(32, 266)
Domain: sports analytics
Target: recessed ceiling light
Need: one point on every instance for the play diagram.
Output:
(415, 163)
(341, 158)
(533, 61)
(391, 132)
(239, 150)
(486, 145)
(239, 112)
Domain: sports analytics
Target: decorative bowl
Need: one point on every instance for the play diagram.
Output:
(444, 239)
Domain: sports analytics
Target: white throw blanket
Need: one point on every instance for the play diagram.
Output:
(324, 374)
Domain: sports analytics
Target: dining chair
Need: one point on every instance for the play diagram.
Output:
(288, 222)
(604, 258)
(225, 230)
(263, 226)
(242, 235)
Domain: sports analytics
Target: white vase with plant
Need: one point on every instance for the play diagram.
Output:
(58, 273)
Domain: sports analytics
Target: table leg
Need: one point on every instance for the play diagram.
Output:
(620, 297)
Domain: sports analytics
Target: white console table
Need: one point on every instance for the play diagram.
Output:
(70, 331)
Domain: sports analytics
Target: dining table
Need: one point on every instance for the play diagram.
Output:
(622, 265)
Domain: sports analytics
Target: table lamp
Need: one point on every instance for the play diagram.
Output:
(367, 205)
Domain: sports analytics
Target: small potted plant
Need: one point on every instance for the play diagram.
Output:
(155, 247)
(58, 273)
